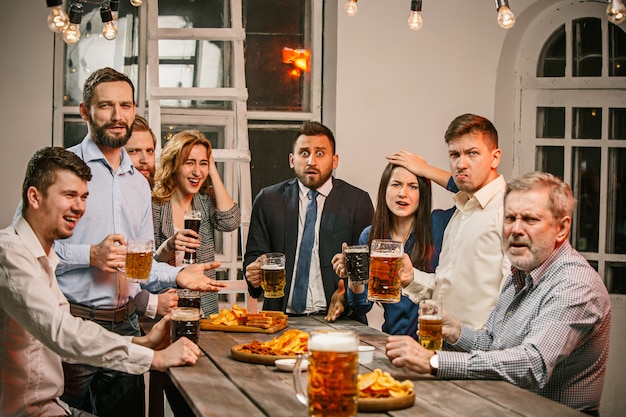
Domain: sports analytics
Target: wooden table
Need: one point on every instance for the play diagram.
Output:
(220, 386)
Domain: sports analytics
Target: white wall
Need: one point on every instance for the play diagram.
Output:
(26, 48)
(395, 89)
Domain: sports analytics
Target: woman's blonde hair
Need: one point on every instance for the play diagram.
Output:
(174, 154)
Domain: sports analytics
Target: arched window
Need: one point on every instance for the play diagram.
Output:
(573, 119)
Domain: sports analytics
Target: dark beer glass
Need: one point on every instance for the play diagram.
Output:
(185, 322)
(192, 222)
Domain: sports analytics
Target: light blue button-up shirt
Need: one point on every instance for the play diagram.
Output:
(119, 203)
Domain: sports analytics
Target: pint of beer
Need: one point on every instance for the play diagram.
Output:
(429, 326)
(138, 260)
(357, 264)
(273, 278)
(188, 298)
(332, 374)
(192, 222)
(185, 322)
(385, 268)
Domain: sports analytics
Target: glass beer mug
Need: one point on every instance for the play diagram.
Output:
(332, 374)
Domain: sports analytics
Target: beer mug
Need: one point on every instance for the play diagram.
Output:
(188, 298)
(430, 323)
(192, 222)
(332, 374)
(273, 276)
(385, 269)
(357, 264)
(138, 260)
(185, 322)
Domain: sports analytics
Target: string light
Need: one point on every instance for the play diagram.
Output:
(415, 17)
(71, 34)
(57, 18)
(109, 31)
(350, 7)
(616, 11)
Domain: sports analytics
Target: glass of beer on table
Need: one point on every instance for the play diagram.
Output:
(273, 276)
(185, 322)
(429, 326)
(192, 222)
(332, 374)
(138, 260)
(385, 269)
(357, 264)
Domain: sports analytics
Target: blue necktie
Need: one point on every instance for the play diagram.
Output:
(304, 258)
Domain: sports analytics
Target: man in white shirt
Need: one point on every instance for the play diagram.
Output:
(472, 264)
(36, 326)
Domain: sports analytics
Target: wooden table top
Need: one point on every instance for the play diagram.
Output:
(219, 385)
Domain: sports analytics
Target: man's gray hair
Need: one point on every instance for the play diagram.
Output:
(562, 200)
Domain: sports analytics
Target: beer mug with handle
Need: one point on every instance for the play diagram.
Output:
(332, 374)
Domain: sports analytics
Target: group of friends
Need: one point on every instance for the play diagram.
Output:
(521, 305)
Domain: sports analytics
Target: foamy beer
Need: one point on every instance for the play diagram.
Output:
(138, 259)
(332, 374)
(385, 268)
(273, 276)
(188, 298)
(185, 322)
(429, 327)
(192, 222)
(357, 264)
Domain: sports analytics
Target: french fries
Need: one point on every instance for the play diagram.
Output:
(238, 316)
(378, 384)
(290, 343)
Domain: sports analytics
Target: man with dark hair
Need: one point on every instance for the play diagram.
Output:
(140, 148)
(279, 224)
(36, 327)
(472, 263)
(549, 331)
(119, 208)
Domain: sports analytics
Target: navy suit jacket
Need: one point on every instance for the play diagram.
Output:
(274, 228)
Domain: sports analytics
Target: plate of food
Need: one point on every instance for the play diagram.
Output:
(239, 320)
(286, 346)
(379, 391)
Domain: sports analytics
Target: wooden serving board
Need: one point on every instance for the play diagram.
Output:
(386, 404)
(205, 324)
(243, 356)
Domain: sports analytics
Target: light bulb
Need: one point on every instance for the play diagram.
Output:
(58, 19)
(415, 20)
(350, 7)
(109, 30)
(115, 7)
(136, 3)
(71, 34)
(616, 11)
(506, 18)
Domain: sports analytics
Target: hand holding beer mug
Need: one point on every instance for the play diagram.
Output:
(192, 222)
(385, 269)
(357, 264)
(429, 328)
(273, 278)
(332, 374)
(138, 260)
(185, 322)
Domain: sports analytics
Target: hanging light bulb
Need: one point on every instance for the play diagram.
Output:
(57, 18)
(115, 7)
(71, 34)
(415, 18)
(506, 18)
(136, 3)
(109, 31)
(350, 7)
(616, 11)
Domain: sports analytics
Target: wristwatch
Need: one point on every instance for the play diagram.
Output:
(434, 364)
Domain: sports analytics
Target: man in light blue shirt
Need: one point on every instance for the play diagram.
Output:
(119, 208)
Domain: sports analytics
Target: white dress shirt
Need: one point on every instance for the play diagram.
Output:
(473, 264)
(37, 329)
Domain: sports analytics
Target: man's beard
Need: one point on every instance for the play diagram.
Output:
(102, 138)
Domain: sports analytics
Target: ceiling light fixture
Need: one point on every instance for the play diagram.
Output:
(415, 17)
(506, 18)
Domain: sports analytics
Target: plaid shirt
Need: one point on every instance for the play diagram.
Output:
(550, 337)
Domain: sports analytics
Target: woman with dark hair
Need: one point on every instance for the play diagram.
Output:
(187, 179)
(403, 214)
